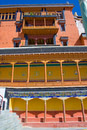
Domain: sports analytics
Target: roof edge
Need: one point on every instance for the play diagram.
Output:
(36, 5)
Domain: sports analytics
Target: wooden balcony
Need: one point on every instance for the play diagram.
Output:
(43, 84)
(33, 30)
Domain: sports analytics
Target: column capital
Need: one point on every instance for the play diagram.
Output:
(77, 61)
(61, 61)
(28, 62)
(12, 63)
(45, 61)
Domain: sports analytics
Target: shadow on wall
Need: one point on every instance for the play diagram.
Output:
(79, 42)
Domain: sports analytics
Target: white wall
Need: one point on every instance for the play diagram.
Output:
(80, 27)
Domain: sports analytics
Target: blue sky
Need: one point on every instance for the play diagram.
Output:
(75, 2)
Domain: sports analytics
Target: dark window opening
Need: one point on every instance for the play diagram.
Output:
(62, 26)
(2, 17)
(9, 16)
(49, 41)
(31, 42)
(64, 43)
(16, 44)
(40, 41)
(6, 17)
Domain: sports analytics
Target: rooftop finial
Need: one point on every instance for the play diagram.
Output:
(67, 2)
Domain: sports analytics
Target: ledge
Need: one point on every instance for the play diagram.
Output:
(43, 50)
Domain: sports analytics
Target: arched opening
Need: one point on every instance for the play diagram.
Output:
(85, 107)
(40, 42)
(5, 72)
(36, 110)
(20, 72)
(54, 110)
(73, 109)
(70, 72)
(53, 71)
(18, 106)
(37, 73)
(83, 70)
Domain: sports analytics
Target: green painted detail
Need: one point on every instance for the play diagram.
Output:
(68, 64)
(84, 64)
(20, 65)
(4, 66)
(53, 65)
(38, 65)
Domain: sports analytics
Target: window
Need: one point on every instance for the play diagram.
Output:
(7, 16)
(62, 27)
(31, 42)
(64, 43)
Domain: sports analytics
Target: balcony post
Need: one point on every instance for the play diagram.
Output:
(44, 21)
(45, 71)
(28, 74)
(61, 67)
(12, 78)
(83, 113)
(34, 22)
(79, 76)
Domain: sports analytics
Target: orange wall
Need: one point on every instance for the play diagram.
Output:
(7, 33)
(71, 30)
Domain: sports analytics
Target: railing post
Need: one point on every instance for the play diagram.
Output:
(61, 67)
(12, 78)
(28, 74)
(79, 76)
(45, 72)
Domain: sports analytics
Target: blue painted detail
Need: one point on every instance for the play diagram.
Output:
(54, 39)
(26, 40)
(39, 16)
(14, 43)
(16, 14)
(20, 14)
(63, 43)
(62, 27)
(64, 38)
(46, 94)
(63, 14)
(18, 28)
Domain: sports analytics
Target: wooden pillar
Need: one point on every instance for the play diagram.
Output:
(45, 110)
(45, 72)
(12, 78)
(11, 16)
(45, 41)
(34, 22)
(79, 76)
(28, 73)
(26, 114)
(36, 41)
(64, 117)
(44, 21)
(83, 113)
(61, 71)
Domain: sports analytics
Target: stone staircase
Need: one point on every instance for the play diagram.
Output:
(9, 121)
